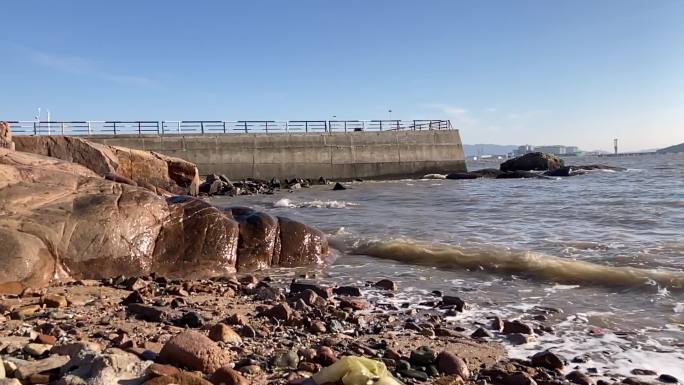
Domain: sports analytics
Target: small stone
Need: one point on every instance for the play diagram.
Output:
(24, 311)
(308, 367)
(248, 332)
(517, 327)
(392, 354)
(519, 378)
(224, 333)
(354, 303)
(318, 327)
(288, 359)
(643, 372)
(579, 378)
(135, 283)
(326, 356)
(481, 333)
(415, 374)
(134, 297)
(37, 350)
(386, 284)
(450, 364)
(149, 312)
(454, 301)
(191, 319)
(338, 187)
(182, 378)
(323, 291)
(45, 339)
(668, 379)
(194, 351)
(282, 312)
(350, 291)
(237, 319)
(157, 370)
(40, 366)
(250, 369)
(547, 359)
(424, 355)
(55, 301)
(228, 376)
(268, 293)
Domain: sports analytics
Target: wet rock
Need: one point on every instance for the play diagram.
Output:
(534, 161)
(462, 175)
(517, 327)
(268, 293)
(579, 378)
(259, 239)
(547, 359)
(338, 187)
(666, 378)
(643, 372)
(424, 355)
(564, 172)
(519, 378)
(194, 351)
(481, 333)
(497, 324)
(519, 174)
(453, 301)
(450, 364)
(520, 339)
(224, 333)
(386, 284)
(350, 291)
(288, 359)
(228, 376)
(354, 303)
(323, 291)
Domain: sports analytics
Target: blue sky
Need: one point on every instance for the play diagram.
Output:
(577, 72)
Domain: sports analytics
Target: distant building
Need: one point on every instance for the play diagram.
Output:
(555, 150)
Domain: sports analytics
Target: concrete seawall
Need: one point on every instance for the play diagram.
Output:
(386, 154)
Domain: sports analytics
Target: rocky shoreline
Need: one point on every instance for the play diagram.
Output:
(262, 330)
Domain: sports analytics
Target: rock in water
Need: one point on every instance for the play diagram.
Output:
(194, 351)
(547, 359)
(338, 187)
(258, 238)
(534, 161)
(579, 378)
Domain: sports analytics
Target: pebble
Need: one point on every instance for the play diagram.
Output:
(520, 339)
(37, 350)
(326, 356)
(228, 376)
(350, 291)
(55, 301)
(424, 355)
(224, 333)
(288, 359)
(456, 302)
(520, 378)
(668, 379)
(415, 374)
(318, 327)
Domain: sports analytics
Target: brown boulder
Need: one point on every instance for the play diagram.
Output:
(224, 333)
(194, 351)
(450, 364)
(228, 376)
(143, 167)
(6, 136)
(300, 244)
(258, 238)
(534, 161)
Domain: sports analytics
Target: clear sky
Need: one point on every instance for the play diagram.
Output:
(575, 72)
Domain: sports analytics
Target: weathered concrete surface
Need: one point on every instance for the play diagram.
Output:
(387, 154)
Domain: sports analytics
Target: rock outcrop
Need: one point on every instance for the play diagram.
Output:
(534, 161)
(63, 220)
(146, 168)
(6, 136)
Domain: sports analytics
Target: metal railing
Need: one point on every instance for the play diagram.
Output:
(171, 127)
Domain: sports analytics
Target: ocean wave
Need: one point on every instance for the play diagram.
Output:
(318, 204)
(505, 261)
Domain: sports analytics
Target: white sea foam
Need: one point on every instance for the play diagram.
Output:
(434, 176)
(319, 204)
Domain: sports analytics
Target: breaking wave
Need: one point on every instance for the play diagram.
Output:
(504, 261)
(319, 204)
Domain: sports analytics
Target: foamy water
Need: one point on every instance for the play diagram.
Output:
(607, 248)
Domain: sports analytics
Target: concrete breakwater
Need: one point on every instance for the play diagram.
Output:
(386, 154)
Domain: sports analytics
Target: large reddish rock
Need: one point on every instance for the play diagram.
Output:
(300, 244)
(259, 240)
(534, 161)
(6, 136)
(144, 167)
(194, 351)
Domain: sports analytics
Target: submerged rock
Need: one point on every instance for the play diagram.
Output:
(534, 161)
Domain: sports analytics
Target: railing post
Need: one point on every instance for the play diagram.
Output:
(90, 130)
(202, 127)
(114, 127)
(430, 125)
(381, 125)
(246, 130)
(345, 126)
(287, 126)
(306, 126)
(157, 127)
(62, 127)
(35, 129)
(267, 127)
(162, 127)
(179, 124)
(397, 125)
(139, 129)
(224, 127)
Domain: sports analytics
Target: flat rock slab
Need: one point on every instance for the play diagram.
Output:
(44, 365)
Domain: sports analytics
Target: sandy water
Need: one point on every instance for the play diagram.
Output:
(606, 248)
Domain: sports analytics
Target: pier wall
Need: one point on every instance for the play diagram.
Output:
(367, 155)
